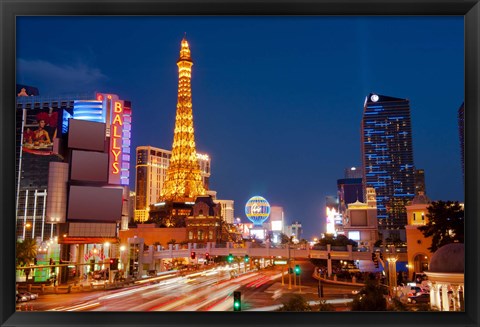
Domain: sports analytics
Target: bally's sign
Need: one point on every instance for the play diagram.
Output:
(116, 129)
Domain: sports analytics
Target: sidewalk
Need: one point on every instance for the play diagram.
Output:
(73, 287)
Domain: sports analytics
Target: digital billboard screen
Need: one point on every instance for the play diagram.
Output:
(39, 129)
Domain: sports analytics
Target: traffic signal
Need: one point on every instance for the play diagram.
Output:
(329, 256)
(207, 256)
(192, 255)
(237, 301)
(297, 270)
(35, 261)
(246, 258)
(290, 270)
(114, 264)
(230, 258)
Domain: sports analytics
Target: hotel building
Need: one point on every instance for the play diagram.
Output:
(151, 171)
(387, 160)
(41, 124)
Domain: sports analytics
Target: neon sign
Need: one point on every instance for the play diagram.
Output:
(116, 136)
(117, 114)
(116, 129)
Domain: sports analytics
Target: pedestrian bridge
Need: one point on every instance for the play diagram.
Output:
(255, 250)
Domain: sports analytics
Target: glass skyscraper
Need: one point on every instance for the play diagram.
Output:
(387, 159)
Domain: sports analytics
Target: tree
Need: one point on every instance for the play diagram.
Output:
(445, 224)
(339, 240)
(26, 252)
(285, 239)
(370, 298)
(295, 303)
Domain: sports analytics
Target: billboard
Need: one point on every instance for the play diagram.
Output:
(39, 129)
(86, 135)
(89, 166)
(94, 203)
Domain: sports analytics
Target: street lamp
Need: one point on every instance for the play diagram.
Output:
(392, 269)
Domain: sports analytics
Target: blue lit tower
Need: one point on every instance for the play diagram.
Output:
(387, 159)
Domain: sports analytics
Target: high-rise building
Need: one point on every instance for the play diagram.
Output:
(277, 219)
(183, 181)
(461, 132)
(151, 171)
(73, 156)
(40, 125)
(387, 160)
(295, 230)
(227, 210)
(420, 181)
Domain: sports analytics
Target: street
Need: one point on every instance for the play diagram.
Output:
(208, 290)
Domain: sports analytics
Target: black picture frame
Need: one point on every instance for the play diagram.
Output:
(470, 9)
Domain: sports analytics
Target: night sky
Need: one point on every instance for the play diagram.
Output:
(277, 101)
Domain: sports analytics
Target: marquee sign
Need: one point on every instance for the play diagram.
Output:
(120, 126)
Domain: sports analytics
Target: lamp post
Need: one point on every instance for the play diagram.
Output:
(392, 269)
(106, 246)
(289, 268)
(122, 251)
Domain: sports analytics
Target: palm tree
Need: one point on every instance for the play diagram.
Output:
(26, 251)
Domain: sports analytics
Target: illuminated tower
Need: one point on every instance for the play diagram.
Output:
(387, 155)
(183, 181)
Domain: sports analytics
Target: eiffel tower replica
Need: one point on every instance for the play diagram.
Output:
(183, 183)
